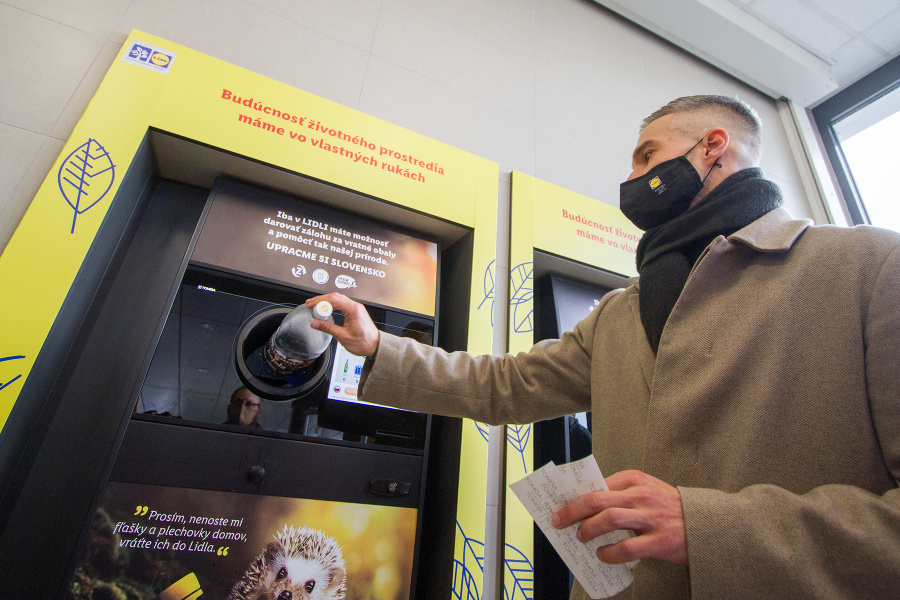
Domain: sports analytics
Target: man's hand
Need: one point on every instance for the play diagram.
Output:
(359, 334)
(649, 507)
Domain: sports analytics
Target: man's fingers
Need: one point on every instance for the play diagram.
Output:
(328, 327)
(626, 479)
(638, 502)
(336, 299)
(586, 506)
(358, 335)
(333, 329)
(625, 551)
(611, 519)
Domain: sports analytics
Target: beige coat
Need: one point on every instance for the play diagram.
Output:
(773, 404)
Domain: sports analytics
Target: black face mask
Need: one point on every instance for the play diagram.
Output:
(662, 193)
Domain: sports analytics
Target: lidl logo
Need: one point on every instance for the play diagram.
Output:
(150, 57)
(654, 183)
(160, 60)
(186, 588)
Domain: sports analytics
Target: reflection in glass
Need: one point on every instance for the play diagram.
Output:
(192, 375)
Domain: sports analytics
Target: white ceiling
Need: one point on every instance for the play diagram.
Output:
(804, 50)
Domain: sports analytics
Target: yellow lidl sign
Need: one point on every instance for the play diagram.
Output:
(238, 110)
(576, 226)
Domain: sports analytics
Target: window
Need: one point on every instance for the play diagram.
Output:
(859, 127)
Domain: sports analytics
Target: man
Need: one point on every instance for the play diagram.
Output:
(244, 409)
(745, 390)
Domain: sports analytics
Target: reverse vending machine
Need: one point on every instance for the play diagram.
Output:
(566, 252)
(561, 301)
(230, 463)
(195, 204)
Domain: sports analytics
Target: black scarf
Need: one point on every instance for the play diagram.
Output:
(667, 253)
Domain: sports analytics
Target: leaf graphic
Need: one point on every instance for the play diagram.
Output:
(5, 358)
(518, 583)
(518, 573)
(85, 177)
(518, 436)
(465, 586)
(489, 289)
(521, 285)
(484, 430)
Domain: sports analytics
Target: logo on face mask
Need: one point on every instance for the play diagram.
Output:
(672, 198)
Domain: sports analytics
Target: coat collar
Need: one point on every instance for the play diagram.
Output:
(775, 231)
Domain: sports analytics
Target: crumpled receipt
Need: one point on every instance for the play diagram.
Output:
(551, 487)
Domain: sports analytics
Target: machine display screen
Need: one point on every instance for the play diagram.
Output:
(346, 370)
(282, 239)
(574, 301)
(153, 541)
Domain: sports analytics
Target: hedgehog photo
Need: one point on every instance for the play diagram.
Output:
(299, 564)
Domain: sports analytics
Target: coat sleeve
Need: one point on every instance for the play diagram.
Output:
(835, 541)
(552, 379)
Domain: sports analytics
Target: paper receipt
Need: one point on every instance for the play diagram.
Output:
(551, 487)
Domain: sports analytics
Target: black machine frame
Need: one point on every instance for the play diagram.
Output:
(64, 435)
(555, 439)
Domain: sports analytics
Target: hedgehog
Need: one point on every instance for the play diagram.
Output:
(299, 564)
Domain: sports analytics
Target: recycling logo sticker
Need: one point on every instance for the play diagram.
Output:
(150, 57)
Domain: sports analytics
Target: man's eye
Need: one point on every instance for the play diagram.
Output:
(647, 155)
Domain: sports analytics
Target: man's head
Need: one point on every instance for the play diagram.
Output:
(244, 408)
(727, 132)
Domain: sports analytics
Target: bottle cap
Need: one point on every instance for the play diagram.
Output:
(322, 310)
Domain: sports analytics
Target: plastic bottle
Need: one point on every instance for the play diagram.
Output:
(295, 344)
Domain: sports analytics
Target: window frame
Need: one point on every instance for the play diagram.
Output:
(870, 88)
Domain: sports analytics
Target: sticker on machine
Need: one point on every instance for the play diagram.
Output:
(150, 57)
(344, 282)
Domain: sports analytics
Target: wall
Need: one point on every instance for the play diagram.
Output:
(553, 88)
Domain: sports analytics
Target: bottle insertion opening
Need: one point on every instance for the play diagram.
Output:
(296, 344)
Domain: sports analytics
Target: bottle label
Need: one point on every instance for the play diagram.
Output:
(280, 364)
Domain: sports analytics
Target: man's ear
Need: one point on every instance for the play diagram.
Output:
(715, 142)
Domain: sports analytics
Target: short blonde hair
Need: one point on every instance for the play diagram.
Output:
(697, 114)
